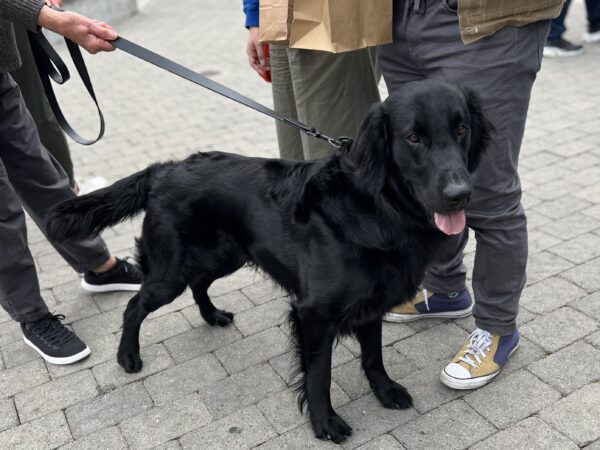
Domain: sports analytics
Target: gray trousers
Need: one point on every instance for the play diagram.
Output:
(502, 69)
(32, 179)
(331, 92)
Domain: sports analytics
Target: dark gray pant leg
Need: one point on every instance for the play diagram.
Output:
(502, 69)
(39, 183)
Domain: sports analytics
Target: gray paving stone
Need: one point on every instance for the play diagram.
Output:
(18, 353)
(198, 341)
(283, 363)
(385, 442)
(263, 292)
(577, 416)
(529, 434)
(262, 317)
(244, 429)
(10, 332)
(107, 409)
(589, 305)
(545, 264)
(107, 301)
(8, 414)
(23, 377)
(183, 301)
(454, 425)
(45, 433)
(103, 348)
(594, 446)
(353, 381)
(55, 395)
(238, 280)
(99, 325)
(540, 241)
(84, 306)
(241, 389)
(234, 302)
(570, 368)
(369, 419)
(164, 423)
(435, 344)
(558, 328)
(162, 328)
(281, 409)
(171, 445)
(183, 379)
(579, 250)
(106, 439)
(253, 350)
(298, 438)
(549, 295)
(594, 339)
(585, 275)
(516, 397)
(560, 207)
(110, 375)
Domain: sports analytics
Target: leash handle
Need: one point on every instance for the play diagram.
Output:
(51, 66)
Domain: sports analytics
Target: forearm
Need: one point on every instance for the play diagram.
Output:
(51, 20)
(24, 12)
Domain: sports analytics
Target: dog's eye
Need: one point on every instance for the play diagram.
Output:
(414, 138)
(461, 130)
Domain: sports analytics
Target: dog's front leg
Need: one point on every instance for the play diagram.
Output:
(315, 338)
(389, 393)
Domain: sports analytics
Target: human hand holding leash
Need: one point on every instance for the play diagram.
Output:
(93, 35)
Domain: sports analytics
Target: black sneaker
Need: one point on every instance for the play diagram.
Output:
(123, 277)
(55, 342)
(561, 47)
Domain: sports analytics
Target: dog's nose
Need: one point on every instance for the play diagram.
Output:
(458, 194)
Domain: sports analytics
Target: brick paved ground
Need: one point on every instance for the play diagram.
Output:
(210, 388)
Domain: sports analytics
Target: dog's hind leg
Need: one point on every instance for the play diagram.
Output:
(389, 393)
(209, 312)
(315, 342)
(152, 296)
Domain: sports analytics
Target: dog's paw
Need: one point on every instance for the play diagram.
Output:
(394, 396)
(219, 317)
(332, 427)
(130, 361)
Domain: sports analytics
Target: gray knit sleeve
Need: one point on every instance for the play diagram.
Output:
(24, 12)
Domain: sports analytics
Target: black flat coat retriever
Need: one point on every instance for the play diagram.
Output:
(348, 236)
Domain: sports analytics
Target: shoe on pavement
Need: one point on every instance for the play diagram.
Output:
(592, 36)
(479, 360)
(560, 48)
(124, 276)
(53, 341)
(426, 304)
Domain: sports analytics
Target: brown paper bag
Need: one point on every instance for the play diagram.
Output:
(275, 17)
(330, 25)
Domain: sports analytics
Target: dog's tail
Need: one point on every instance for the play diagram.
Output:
(89, 214)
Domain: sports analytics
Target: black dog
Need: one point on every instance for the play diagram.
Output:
(348, 236)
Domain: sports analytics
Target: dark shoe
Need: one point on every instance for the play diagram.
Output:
(123, 277)
(561, 48)
(55, 342)
(425, 304)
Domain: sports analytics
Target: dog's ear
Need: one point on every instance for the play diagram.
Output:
(481, 129)
(369, 154)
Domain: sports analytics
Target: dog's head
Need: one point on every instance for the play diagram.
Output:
(429, 136)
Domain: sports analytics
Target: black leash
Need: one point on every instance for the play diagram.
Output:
(50, 65)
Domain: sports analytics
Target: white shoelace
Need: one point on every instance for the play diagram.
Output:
(479, 343)
(426, 297)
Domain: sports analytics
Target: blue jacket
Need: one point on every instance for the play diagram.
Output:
(251, 11)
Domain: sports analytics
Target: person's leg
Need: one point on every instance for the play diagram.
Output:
(48, 128)
(288, 138)
(333, 94)
(593, 16)
(39, 181)
(557, 25)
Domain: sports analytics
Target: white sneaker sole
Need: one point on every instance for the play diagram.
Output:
(473, 383)
(400, 318)
(110, 287)
(591, 38)
(59, 361)
(558, 53)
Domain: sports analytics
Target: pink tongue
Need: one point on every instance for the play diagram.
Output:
(451, 223)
